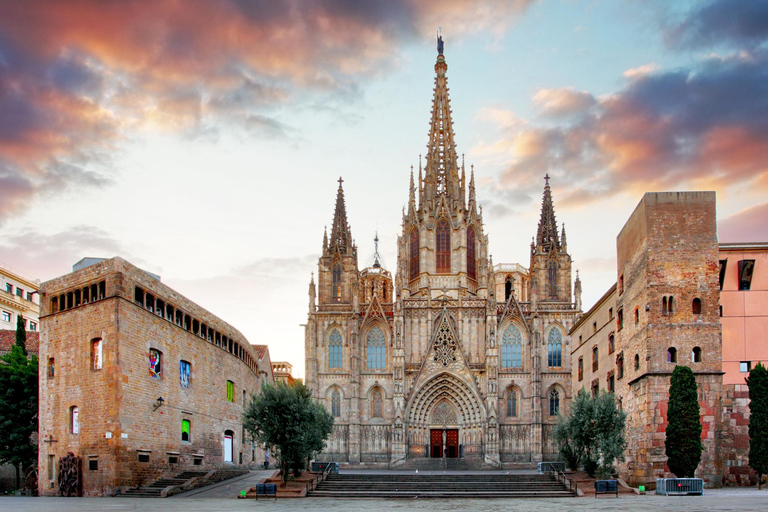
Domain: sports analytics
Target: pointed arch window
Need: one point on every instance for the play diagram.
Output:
(376, 401)
(555, 348)
(508, 287)
(336, 282)
(511, 348)
(511, 404)
(334, 349)
(554, 403)
(471, 254)
(443, 236)
(552, 279)
(376, 349)
(414, 260)
(336, 403)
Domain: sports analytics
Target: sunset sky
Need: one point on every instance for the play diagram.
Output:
(203, 140)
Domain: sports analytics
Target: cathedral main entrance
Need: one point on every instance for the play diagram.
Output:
(451, 443)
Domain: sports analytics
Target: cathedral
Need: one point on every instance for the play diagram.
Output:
(453, 356)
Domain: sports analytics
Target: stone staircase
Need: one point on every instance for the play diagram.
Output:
(413, 485)
(429, 464)
(155, 489)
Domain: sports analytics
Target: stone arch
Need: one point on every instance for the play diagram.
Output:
(522, 329)
(445, 386)
(561, 396)
(379, 358)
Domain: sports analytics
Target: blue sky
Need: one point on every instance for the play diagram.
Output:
(204, 143)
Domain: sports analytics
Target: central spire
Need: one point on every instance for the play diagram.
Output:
(442, 175)
(547, 234)
(341, 238)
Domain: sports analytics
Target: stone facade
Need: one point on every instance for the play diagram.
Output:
(138, 381)
(18, 297)
(452, 357)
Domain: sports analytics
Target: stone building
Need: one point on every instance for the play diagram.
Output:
(680, 299)
(18, 297)
(138, 381)
(450, 357)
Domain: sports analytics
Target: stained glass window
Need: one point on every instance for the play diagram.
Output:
(554, 403)
(471, 254)
(336, 285)
(376, 400)
(184, 368)
(376, 349)
(414, 268)
(155, 363)
(555, 348)
(185, 431)
(443, 236)
(511, 403)
(336, 403)
(334, 349)
(511, 348)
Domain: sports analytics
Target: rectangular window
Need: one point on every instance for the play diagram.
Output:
(611, 384)
(9, 287)
(93, 464)
(96, 354)
(74, 418)
(746, 267)
(173, 459)
(581, 368)
(32, 326)
(29, 296)
(610, 313)
(155, 363)
(620, 319)
(197, 461)
(6, 316)
(745, 366)
(143, 457)
(19, 292)
(185, 435)
(51, 367)
(184, 368)
(52, 467)
(723, 266)
(595, 388)
(594, 359)
(230, 391)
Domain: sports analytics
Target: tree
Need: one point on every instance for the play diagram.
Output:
(21, 334)
(18, 409)
(683, 442)
(758, 421)
(592, 434)
(287, 418)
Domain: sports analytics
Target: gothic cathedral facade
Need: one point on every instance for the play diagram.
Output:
(453, 357)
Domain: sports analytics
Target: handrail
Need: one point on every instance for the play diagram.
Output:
(570, 484)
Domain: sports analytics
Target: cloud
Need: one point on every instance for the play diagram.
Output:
(728, 22)
(640, 71)
(78, 78)
(748, 225)
(563, 102)
(703, 128)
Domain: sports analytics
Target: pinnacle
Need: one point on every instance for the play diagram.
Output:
(547, 236)
(341, 238)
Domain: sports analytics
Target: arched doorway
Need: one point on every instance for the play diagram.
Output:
(444, 431)
(228, 437)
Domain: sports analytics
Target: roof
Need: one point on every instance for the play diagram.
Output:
(260, 350)
(8, 339)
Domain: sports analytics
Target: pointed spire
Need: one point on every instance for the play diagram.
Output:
(463, 181)
(376, 257)
(341, 238)
(421, 183)
(325, 238)
(412, 192)
(562, 239)
(472, 185)
(547, 237)
(442, 176)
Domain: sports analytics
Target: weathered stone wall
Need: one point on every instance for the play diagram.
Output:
(734, 436)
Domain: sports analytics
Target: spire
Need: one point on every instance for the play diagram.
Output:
(412, 192)
(325, 238)
(562, 240)
(442, 176)
(472, 185)
(421, 183)
(376, 257)
(547, 238)
(341, 238)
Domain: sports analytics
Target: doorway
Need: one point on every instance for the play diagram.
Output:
(451, 443)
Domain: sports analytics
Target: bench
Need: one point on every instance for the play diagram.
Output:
(266, 490)
(607, 487)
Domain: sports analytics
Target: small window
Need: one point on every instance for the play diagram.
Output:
(173, 459)
(637, 362)
(74, 420)
(637, 316)
(621, 284)
(554, 403)
(620, 319)
(184, 371)
(581, 368)
(51, 467)
(443, 247)
(594, 327)
(336, 403)
(671, 355)
(511, 404)
(143, 457)
(696, 306)
(230, 391)
(610, 313)
(155, 363)
(51, 368)
(611, 384)
(96, 354)
(185, 433)
(620, 366)
(19, 292)
(611, 344)
(197, 461)
(696, 355)
(9, 287)
(745, 366)
(746, 267)
(93, 464)
(6, 316)
(723, 265)
(376, 403)
(32, 326)
(594, 358)
(595, 389)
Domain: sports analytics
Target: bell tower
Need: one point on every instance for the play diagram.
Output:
(337, 272)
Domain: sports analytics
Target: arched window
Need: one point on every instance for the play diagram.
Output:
(443, 236)
(511, 348)
(414, 267)
(696, 306)
(507, 288)
(336, 403)
(672, 355)
(334, 349)
(552, 279)
(376, 400)
(155, 363)
(471, 254)
(554, 403)
(511, 404)
(336, 284)
(637, 361)
(555, 348)
(376, 349)
(696, 355)
(74, 420)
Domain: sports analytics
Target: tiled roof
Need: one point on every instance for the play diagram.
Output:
(8, 339)
(260, 350)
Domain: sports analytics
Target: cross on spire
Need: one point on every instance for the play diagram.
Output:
(546, 179)
(340, 181)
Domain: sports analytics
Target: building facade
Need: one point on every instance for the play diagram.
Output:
(452, 356)
(138, 381)
(19, 296)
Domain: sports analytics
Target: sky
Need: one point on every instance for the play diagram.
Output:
(203, 140)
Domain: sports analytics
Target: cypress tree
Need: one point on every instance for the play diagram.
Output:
(21, 334)
(683, 442)
(758, 421)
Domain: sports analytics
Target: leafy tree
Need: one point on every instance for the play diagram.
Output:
(593, 433)
(683, 442)
(287, 418)
(21, 334)
(18, 409)
(758, 421)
